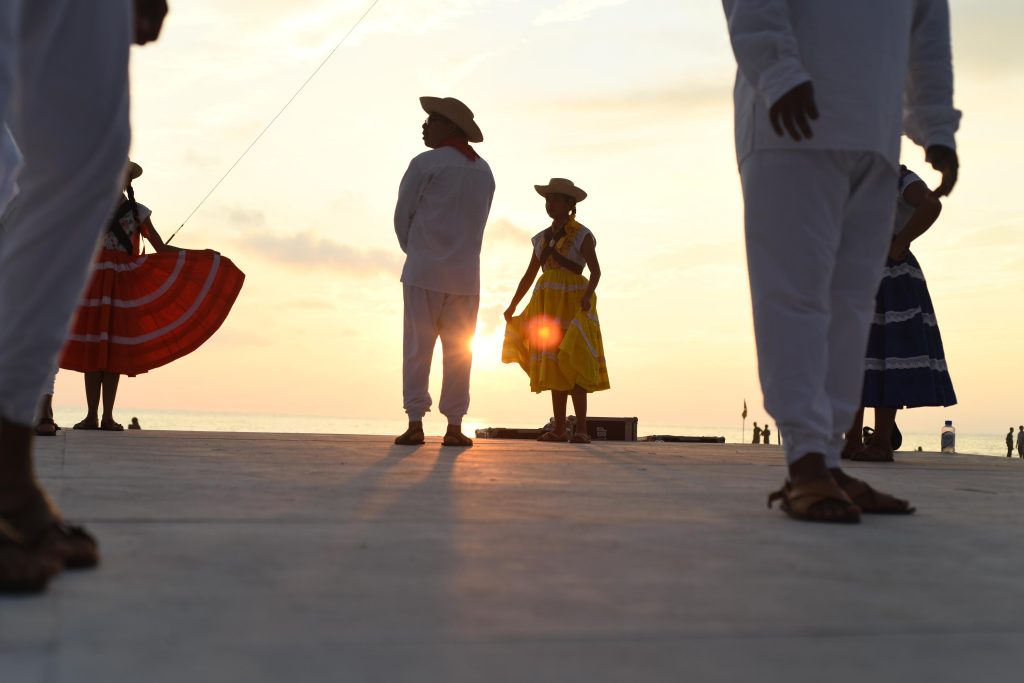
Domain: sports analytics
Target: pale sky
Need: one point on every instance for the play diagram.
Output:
(629, 98)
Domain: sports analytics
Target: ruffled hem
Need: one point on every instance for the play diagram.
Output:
(141, 312)
(558, 345)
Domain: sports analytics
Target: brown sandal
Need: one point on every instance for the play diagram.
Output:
(871, 453)
(458, 440)
(872, 502)
(579, 437)
(801, 502)
(23, 569)
(411, 437)
(72, 546)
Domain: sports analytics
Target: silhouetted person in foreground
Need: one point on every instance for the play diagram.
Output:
(442, 209)
(68, 63)
(1020, 442)
(1009, 443)
(822, 94)
(766, 435)
(757, 434)
(905, 365)
(557, 338)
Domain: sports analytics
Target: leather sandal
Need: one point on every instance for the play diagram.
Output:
(803, 502)
(23, 569)
(872, 453)
(411, 437)
(873, 502)
(71, 545)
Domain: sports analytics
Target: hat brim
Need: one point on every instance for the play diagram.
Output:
(574, 192)
(438, 105)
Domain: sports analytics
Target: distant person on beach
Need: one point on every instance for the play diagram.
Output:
(905, 365)
(757, 434)
(443, 203)
(557, 338)
(135, 424)
(1009, 444)
(142, 311)
(766, 435)
(822, 92)
(1020, 441)
(68, 63)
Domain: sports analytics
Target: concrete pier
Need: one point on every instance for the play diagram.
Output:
(283, 557)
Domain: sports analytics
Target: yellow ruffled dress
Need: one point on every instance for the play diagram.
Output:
(553, 340)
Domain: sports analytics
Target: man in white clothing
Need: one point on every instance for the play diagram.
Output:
(64, 92)
(442, 208)
(822, 93)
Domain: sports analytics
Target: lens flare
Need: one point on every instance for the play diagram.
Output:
(544, 332)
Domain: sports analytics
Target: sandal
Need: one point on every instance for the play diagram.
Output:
(71, 546)
(111, 427)
(874, 502)
(88, 424)
(23, 569)
(459, 439)
(411, 437)
(872, 453)
(554, 437)
(46, 427)
(579, 437)
(802, 502)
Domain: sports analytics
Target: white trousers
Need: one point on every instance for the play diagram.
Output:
(429, 315)
(818, 227)
(64, 88)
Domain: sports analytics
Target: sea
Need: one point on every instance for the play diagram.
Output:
(182, 420)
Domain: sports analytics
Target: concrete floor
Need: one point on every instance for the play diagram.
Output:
(262, 557)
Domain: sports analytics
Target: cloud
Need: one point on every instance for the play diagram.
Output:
(574, 10)
(307, 250)
(503, 230)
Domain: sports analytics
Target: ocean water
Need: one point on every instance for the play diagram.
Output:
(180, 420)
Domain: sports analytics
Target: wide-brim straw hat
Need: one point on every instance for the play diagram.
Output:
(456, 112)
(133, 170)
(561, 186)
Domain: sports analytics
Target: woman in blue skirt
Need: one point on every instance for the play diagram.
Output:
(905, 366)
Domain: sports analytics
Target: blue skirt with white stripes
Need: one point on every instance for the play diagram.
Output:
(905, 366)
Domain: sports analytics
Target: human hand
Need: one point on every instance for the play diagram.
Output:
(585, 302)
(899, 249)
(149, 19)
(793, 110)
(944, 160)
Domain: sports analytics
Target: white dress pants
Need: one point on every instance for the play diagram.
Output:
(64, 86)
(429, 315)
(818, 227)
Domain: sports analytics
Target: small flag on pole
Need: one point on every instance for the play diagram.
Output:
(744, 409)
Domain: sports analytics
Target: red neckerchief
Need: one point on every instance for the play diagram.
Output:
(462, 145)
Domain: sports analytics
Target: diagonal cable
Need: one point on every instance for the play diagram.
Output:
(276, 116)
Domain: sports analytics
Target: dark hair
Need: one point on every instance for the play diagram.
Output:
(135, 207)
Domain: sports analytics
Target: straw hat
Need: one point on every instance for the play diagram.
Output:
(561, 186)
(133, 170)
(456, 112)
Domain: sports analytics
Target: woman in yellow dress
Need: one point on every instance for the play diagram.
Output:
(557, 338)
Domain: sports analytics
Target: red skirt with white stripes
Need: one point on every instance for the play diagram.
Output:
(141, 312)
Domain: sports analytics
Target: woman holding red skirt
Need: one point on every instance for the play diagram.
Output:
(141, 311)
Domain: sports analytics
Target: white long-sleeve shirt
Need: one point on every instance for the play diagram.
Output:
(878, 67)
(442, 209)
